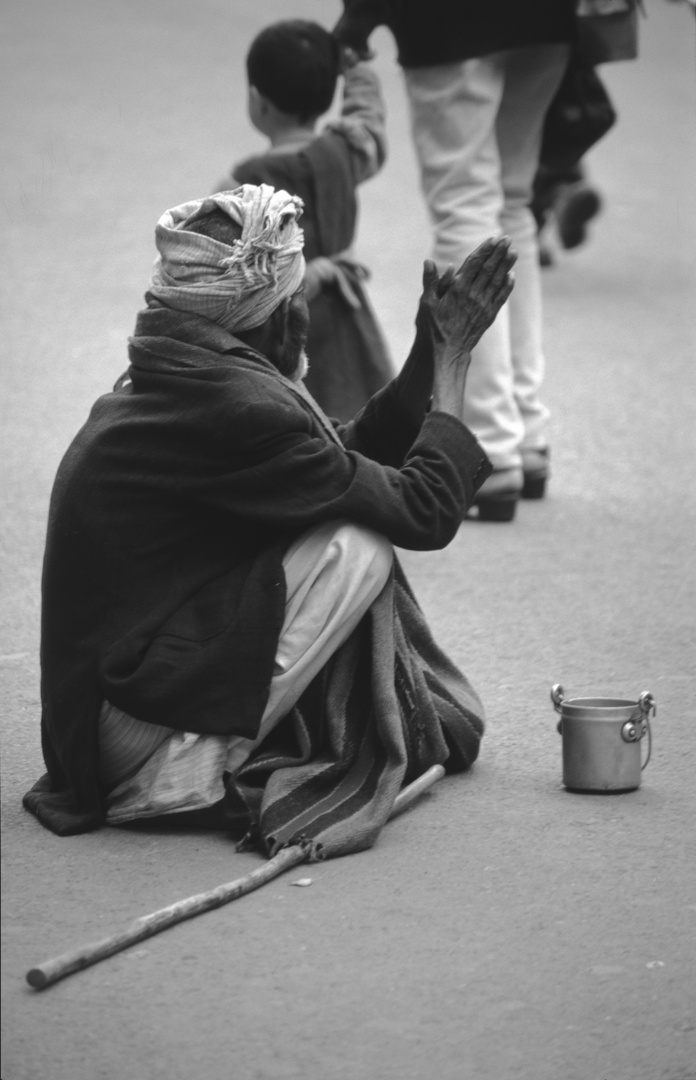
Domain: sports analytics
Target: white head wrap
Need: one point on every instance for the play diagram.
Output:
(238, 286)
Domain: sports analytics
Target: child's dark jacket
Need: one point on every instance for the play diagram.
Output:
(349, 361)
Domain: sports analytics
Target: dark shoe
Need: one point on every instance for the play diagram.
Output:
(576, 205)
(498, 496)
(535, 466)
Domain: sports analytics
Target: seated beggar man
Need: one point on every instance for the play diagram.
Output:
(228, 639)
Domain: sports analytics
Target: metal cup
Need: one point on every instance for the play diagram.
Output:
(602, 741)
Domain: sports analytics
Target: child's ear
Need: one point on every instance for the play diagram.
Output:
(257, 109)
(257, 101)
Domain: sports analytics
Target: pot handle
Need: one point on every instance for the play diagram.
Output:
(647, 702)
(557, 696)
(647, 705)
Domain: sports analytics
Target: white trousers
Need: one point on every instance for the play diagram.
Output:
(477, 131)
(333, 574)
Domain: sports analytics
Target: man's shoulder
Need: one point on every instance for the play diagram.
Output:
(246, 399)
(239, 391)
(246, 383)
(243, 411)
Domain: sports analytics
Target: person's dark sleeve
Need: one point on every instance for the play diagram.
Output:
(386, 427)
(359, 19)
(285, 473)
(382, 430)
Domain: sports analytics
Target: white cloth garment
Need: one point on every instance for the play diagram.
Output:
(238, 285)
(477, 131)
(333, 574)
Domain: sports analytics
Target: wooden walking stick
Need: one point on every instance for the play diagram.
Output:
(52, 970)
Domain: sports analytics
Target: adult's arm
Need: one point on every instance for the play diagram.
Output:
(419, 504)
(453, 312)
(359, 19)
(285, 473)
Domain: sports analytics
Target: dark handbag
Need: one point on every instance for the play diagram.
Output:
(607, 30)
(578, 116)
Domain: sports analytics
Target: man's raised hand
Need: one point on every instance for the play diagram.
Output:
(469, 300)
(454, 310)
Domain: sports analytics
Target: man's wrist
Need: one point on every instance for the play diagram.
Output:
(451, 364)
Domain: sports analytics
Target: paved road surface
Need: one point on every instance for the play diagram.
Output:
(503, 929)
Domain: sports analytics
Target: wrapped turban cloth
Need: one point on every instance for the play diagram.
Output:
(240, 285)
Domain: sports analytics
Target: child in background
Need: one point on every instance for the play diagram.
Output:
(293, 68)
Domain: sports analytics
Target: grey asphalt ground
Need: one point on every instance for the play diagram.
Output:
(504, 928)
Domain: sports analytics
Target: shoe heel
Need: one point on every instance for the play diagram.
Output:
(497, 507)
(534, 487)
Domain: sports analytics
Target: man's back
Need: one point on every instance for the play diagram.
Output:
(145, 515)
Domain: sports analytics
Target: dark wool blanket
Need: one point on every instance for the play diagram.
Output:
(163, 589)
(387, 706)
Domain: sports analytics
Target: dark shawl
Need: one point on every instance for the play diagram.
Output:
(163, 588)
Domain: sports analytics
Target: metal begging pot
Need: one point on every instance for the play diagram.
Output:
(602, 739)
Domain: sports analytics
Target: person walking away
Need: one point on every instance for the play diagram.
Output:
(293, 68)
(479, 76)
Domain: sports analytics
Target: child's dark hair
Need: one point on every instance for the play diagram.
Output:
(295, 64)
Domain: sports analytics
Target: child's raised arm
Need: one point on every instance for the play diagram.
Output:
(363, 120)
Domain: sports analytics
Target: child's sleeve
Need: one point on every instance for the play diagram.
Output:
(362, 121)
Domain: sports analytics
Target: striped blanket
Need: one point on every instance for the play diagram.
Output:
(386, 707)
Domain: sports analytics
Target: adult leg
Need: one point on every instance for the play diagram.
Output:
(453, 115)
(532, 76)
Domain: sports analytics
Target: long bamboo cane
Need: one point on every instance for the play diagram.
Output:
(52, 970)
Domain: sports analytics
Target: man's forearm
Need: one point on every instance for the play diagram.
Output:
(434, 374)
(414, 383)
(451, 368)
